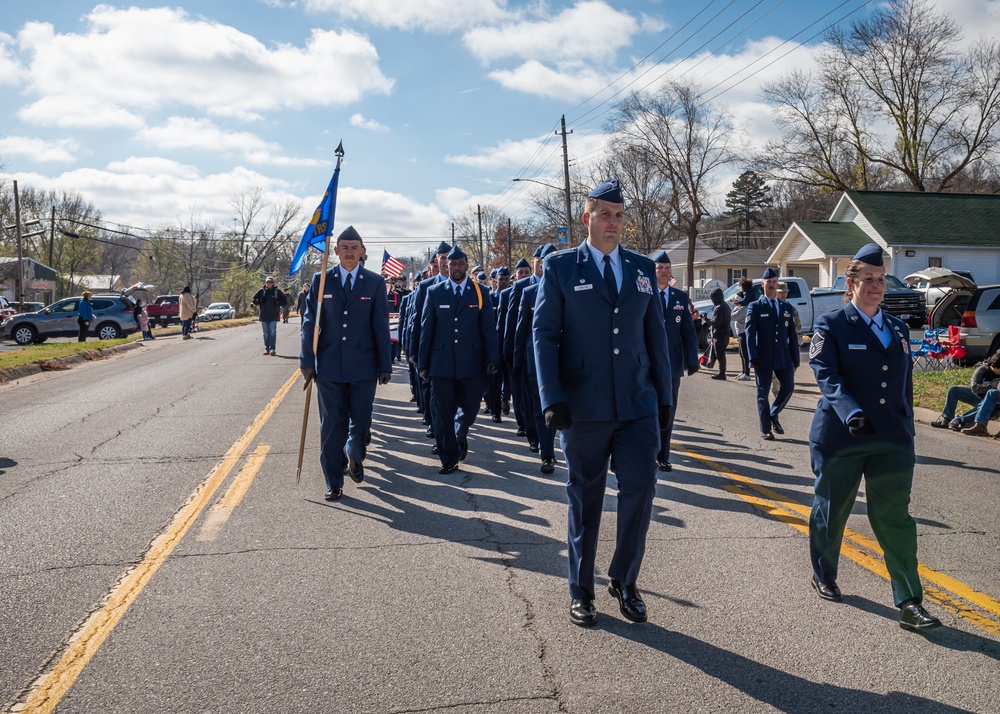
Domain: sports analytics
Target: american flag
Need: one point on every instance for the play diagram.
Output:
(390, 266)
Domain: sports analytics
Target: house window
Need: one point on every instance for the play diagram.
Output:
(934, 262)
(702, 275)
(735, 274)
(791, 273)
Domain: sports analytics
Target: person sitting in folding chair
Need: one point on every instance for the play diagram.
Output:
(983, 393)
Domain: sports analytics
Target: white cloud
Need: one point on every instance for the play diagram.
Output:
(204, 135)
(568, 83)
(10, 68)
(591, 30)
(359, 121)
(432, 15)
(132, 61)
(508, 153)
(34, 149)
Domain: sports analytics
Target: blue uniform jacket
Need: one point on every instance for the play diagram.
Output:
(404, 308)
(524, 353)
(682, 340)
(502, 314)
(771, 338)
(608, 361)
(416, 308)
(854, 371)
(513, 308)
(457, 340)
(354, 343)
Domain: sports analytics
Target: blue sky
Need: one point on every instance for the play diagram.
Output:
(160, 114)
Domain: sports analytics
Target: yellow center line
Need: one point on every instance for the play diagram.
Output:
(796, 515)
(49, 689)
(220, 512)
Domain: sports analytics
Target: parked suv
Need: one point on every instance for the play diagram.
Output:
(977, 313)
(112, 319)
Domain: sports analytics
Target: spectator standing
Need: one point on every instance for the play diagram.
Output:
(188, 309)
(300, 306)
(85, 315)
(269, 299)
(286, 309)
(722, 318)
(142, 320)
(740, 302)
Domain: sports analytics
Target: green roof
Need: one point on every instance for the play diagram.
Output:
(905, 218)
(833, 238)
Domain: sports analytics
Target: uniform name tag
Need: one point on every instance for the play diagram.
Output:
(444, 307)
(857, 347)
(588, 286)
(328, 296)
(765, 314)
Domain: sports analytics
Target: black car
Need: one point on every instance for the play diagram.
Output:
(112, 319)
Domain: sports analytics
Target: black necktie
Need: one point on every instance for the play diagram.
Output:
(347, 287)
(609, 279)
(663, 296)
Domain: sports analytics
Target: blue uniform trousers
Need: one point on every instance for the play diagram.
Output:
(665, 434)
(526, 386)
(631, 445)
(495, 381)
(545, 437)
(455, 403)
(426, 401)
(345, 417)
(888, 473)
(786, 383)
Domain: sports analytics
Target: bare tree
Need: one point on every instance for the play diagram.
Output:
(494, 223)
(647, 192)
(688, 142)
(900, 69)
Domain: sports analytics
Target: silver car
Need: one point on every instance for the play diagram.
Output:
(977, 313)
(112, 319)
(218, 311)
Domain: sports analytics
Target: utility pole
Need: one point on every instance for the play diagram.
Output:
(510, 241)
(482, 255)
(52, 235)
(20, 252)
(569, 208)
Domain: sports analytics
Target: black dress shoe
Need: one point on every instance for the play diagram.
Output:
(913, 617)
(356, 470)
(582, 612)
(767, 436)
(497, 419)
(463, 450)
(521, 431)
(333, 494)
(629, 601)
(430, 431)
(448, 469)
(548, 466)
(719, 376)
(827, 592)
(434, 449)
(533, 448)
(413, 398)
(664, 466)
(776, 425)
(506, 409)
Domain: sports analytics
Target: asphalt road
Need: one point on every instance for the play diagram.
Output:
(157, 555)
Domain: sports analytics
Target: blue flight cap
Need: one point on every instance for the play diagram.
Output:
(538, 252)
(608, 190)
(493, 273)
(456, 253)
(547, 249)
(480, 276)
(871, 254)
(349, 234)
(769, 273)
(503, 272)
(522, 263)
(662, 258)
(443, 248)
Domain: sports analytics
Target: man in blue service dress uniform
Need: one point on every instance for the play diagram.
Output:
(864, 426)
(773, 347)
(353, 355)
(603, 371)
(524, 364)
(416, 320)
(458, 350)
(682, 342)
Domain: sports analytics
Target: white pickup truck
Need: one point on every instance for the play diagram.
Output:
(798, 295)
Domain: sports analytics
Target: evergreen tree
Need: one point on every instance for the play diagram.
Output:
(747, 201)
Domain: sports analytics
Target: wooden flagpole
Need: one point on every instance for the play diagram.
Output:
(316, 325)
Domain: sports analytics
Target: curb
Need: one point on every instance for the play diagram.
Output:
(62, 363)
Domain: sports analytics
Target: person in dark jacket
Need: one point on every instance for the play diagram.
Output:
(740, 301)
(983, 393)
(85, 315)
(300, 305)
(863, 427)
(721, 329)
(270, 300)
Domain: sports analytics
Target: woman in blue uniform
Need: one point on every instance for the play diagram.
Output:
(863, 426)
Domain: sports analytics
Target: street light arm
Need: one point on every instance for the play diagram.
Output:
(560, 189)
